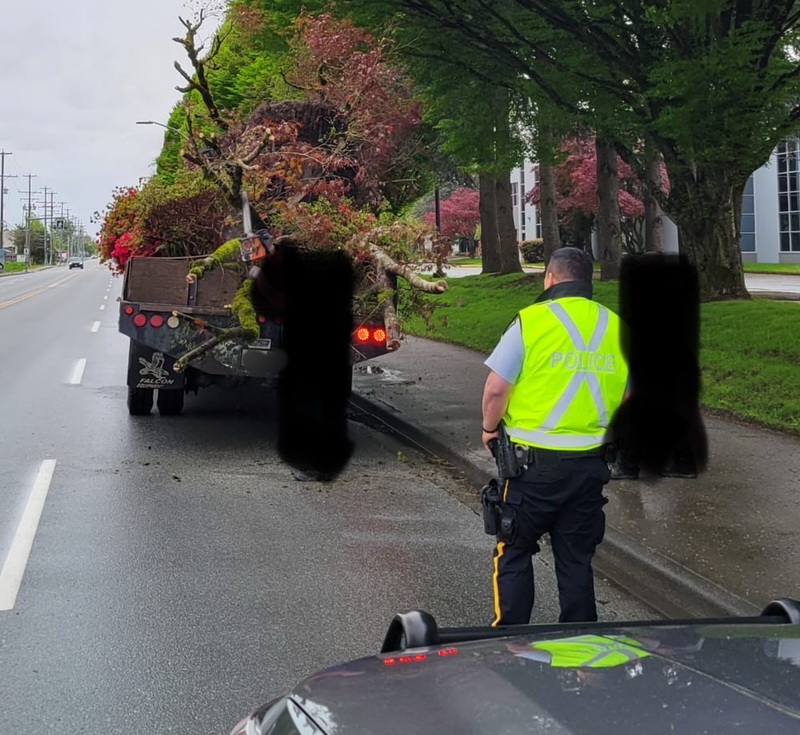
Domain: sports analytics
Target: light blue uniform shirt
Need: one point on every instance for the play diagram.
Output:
(509, 354)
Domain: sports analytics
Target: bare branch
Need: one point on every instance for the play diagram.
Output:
(383, 261)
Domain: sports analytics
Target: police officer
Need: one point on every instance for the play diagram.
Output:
(556, 378)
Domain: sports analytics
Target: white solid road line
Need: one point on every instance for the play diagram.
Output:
(95, 327)
(20, 549)
(77, 373)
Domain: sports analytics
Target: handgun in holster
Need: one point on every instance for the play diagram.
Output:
(508, 463)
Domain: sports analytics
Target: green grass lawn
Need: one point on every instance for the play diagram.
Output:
(14, 267)
(780, 268)
(750, 353)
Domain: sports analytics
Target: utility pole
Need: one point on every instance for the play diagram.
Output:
(44, 222)
(28, 224)
(52, 216)
(3, 178)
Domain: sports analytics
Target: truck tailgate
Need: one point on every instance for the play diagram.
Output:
(154, 280)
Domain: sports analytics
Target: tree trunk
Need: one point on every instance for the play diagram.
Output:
(506, 231)
(490, 244)
(706, 206)
(548, 194)
(548, 211)
(608, 224)
(653, 223)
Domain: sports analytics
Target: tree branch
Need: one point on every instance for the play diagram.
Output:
(382, 260)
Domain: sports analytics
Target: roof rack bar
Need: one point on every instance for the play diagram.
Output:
(462, 635)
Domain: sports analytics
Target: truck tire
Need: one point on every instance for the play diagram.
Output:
(170, 402)
(140, 401)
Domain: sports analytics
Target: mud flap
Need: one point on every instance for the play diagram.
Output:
(148, 368)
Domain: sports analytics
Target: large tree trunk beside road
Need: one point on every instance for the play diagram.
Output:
(548, 194)
(548, 211)
(706, 206)
(608, 218)
(490, 245)
(506, 231)
(499, 249)
(653, 222)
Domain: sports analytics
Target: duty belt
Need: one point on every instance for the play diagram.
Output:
(527, 455)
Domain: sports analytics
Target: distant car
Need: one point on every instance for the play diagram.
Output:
(701, 676)
(75, 263)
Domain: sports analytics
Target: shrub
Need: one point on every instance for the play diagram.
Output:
(532, 250)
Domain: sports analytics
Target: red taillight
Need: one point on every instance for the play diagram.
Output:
(140, 320)
(379, 335)
(262, 319)
(156, 320)
(405, 659)
(362, 334)
(448, 652)
(129, 310)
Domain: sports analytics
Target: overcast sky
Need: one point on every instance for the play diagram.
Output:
(75, 76)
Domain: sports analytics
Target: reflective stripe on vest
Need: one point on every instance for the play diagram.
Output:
(581, 375)
(543, 435)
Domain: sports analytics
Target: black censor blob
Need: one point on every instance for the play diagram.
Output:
(315, 384)
(660, 425)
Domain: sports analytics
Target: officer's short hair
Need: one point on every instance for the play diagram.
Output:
(570, 264)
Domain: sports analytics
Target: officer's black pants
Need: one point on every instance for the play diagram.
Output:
(565, 500)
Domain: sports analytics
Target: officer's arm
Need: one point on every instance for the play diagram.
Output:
(496, 393)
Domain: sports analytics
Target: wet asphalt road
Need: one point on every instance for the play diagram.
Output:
(178, 574)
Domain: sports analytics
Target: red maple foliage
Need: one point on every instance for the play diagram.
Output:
(349, 68)
(576, 182)
(459, 214)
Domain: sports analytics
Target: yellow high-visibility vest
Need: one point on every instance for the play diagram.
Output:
(592, 651)
(573, 377)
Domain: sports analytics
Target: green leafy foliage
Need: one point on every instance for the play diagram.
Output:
(532, 250)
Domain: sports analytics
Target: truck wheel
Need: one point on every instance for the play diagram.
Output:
(140, 401)
(170, 402)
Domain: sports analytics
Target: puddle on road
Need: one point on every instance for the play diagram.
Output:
(386, 375)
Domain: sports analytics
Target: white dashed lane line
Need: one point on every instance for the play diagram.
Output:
(17, 559)
(102, 306)
(77, 373)
(95, 327)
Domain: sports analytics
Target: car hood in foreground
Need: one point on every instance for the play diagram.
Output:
(714, 679)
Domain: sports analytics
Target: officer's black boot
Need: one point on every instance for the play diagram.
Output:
(624, 469)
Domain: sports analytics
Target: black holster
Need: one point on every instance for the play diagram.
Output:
(508, 464)
(499, 518)
(491, 500)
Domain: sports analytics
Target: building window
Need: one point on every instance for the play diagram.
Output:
(522, 203)
(514, 194)
(748, 223)
(789, 195)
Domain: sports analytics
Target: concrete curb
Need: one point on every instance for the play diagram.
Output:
(776, 295)
(659, 582)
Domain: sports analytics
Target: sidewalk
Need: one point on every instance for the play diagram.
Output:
(725, 543)
(782, 287)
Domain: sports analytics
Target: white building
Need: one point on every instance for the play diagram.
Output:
(770, 209)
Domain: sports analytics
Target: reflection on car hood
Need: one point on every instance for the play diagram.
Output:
(711, 680)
